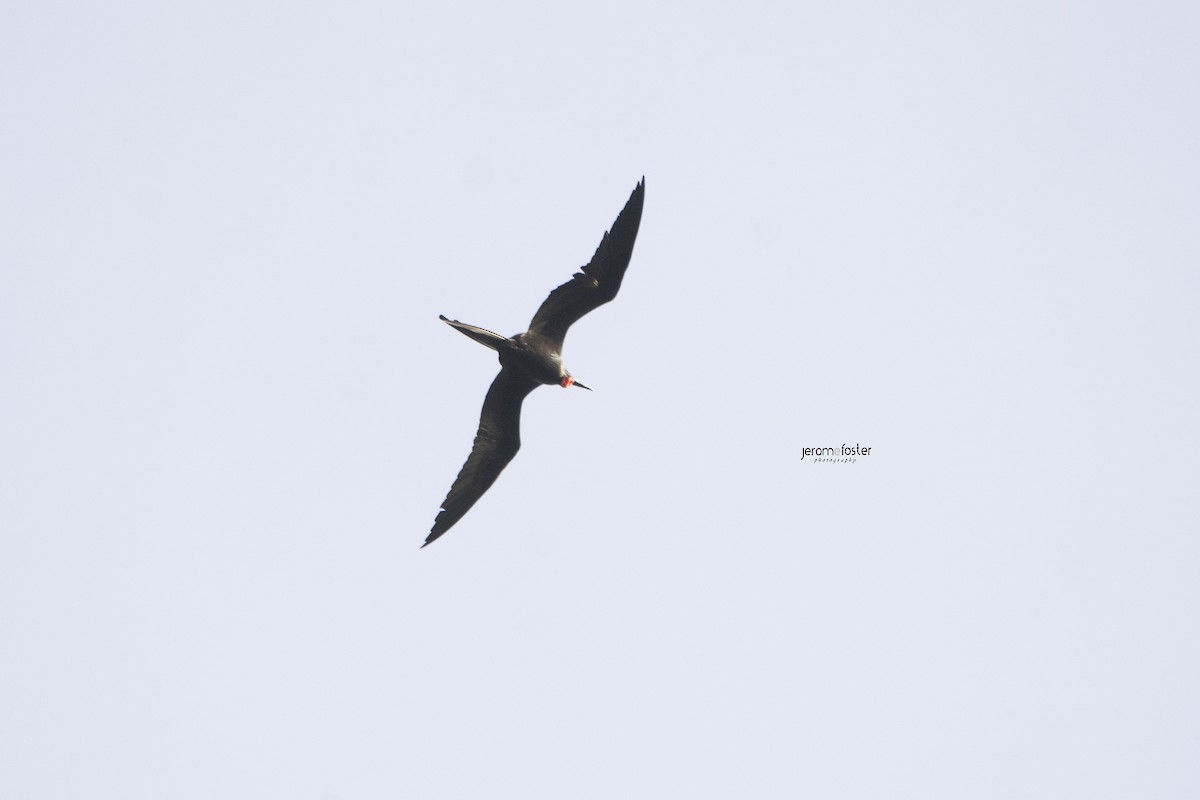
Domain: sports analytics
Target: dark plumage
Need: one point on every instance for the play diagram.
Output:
(530, 359)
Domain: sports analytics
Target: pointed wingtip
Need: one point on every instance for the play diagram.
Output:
(435, 533)
(638, 194)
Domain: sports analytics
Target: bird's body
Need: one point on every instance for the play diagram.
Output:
(533, 358)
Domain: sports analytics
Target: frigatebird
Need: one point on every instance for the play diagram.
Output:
(533, 358)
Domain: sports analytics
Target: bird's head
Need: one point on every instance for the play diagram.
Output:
(568, 380)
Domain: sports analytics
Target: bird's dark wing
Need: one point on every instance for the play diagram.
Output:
(600, 279)
(496, 442)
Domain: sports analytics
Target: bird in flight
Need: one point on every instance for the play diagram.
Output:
(532, 358)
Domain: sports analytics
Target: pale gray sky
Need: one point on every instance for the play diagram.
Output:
(962, 235)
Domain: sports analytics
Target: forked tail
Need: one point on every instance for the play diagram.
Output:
(481, 335)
